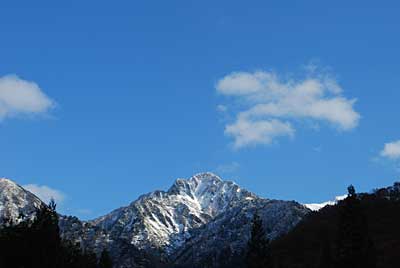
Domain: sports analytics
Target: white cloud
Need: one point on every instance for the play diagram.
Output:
(45, 193)
(241, 83)
(272, 105)
(391, 150)
(252, 132)
(21, 97)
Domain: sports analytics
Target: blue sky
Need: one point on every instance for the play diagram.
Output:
(102, 102)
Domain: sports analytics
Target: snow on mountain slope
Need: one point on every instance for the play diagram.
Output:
(318, 206)
(163, 219)
(197, 218)
(16, 203)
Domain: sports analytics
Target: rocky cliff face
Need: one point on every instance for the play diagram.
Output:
(193, 220)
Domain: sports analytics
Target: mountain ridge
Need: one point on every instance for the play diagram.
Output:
(198, 199)
(196, 217)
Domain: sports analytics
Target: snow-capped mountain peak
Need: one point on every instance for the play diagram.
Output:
(210, 192)
(162, 219)
(196, 185)
(16, 203)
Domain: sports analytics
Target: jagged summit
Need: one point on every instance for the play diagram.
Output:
(205, 177)
(196, 181)
(204, 187)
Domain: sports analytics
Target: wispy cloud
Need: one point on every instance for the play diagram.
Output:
(317, 149)
(222, 108)
(19, 97)
(228, 168)
(270, 105)
(45, 193)
(391, 150)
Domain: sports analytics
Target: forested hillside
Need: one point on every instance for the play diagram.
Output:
(37, 243)
(360, 231)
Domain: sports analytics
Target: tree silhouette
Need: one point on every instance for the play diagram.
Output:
(353, 244)
(37, 243)
(258, 254)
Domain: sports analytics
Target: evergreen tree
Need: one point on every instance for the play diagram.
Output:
(45, 232)
(258, 254)
(353, 244)
(105, 260)
(37, 243)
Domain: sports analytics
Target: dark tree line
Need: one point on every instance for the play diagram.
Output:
(37, 243)
(351, 246)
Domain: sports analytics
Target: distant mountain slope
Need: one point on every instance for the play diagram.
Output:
(226, 236)
(318, 206)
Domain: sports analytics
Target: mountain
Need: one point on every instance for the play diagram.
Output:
(164, 220)
(16, 203)
(195, 219)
